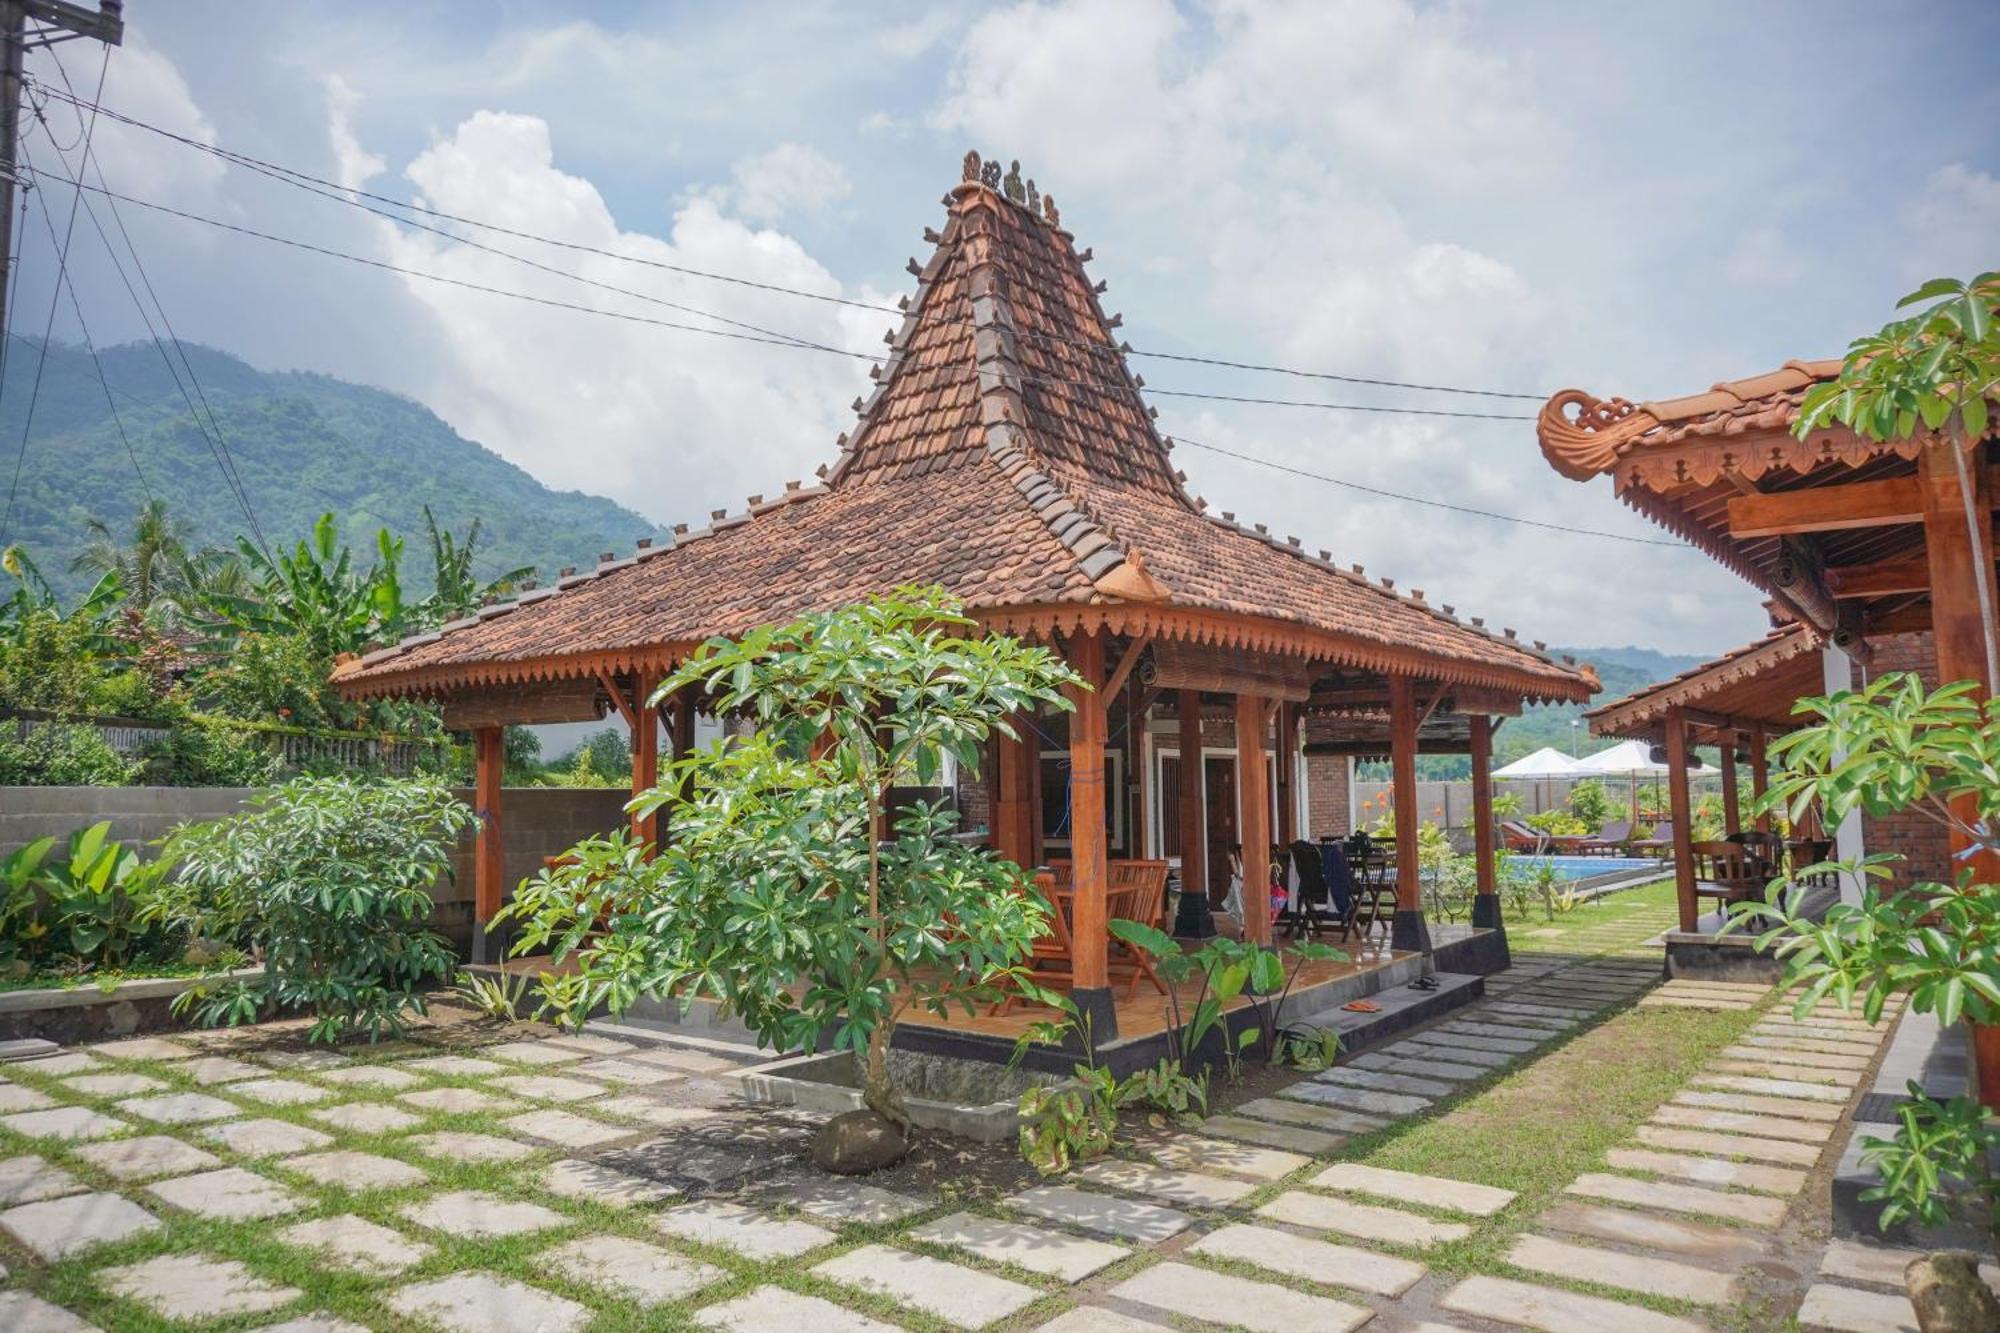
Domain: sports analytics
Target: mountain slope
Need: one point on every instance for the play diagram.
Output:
(301, 443)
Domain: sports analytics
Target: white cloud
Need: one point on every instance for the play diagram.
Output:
(1953, 224)
(1764, 257)
(790, 179)
(669, 422)
(141, 82)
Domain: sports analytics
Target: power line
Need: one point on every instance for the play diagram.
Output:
(774, 341)
(1423, 500)
(341, 194)
(49, 325)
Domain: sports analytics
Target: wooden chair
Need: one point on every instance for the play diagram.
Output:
(1660, 844)
(1613, 837)
(1137, 892)
(1726, 871)
(1374, 893)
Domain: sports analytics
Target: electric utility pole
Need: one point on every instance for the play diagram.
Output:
(55, 21)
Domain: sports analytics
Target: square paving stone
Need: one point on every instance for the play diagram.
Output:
(111, 1085)
(483, 1303)
(1356, 1099)
(644, 1274)
(359, 1245)
(548, 1087)
(1313, 1260)
(592, 1044)
(455, 1145)
(1071, 1258)
(533, 1053)
(1753, 1105)
(180, 1108)
(471, 1213)
(230, 1193)
(1330, 1119)
(1735, 1122)
(366, 1118)
(1261, 1307)
(958, 1295)
(1433, 1191)
(1445, 1049)
(1143, 1222)
(29, 1179)
(355, 1171)
(1531, 1306)
(1650, 1274)
(1189, 1187)
(387, 1077)
(688, 1062)
(627, 1072)
(265, 1138)
(659, 1114)
(567, 1129)
(1776, 1151)
(65, 1062)
(148, 1156)
(1288, 1138)
(193, 1287)
(844, 1200)
(574, 1179)
(305, 1062)
(1831, 1306)
(69, 1123)
(55, 1229)
(454, 1066)
(767, 1308)
(212, 1069)
(22, 1313)
(142, 1048)
(279, 1091)
(314, 1323)
(459, 1101)
(1752, 1209)
(1365, 1221)
(679, 1156)
(1386, 1082)
(14, 1097)
(1196, 1153)
(731, 1226)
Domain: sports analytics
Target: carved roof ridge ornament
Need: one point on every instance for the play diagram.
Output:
(1015, 190)
(1587, 444)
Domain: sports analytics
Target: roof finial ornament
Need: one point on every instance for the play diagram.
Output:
(1049, 210)
(1014, 189)
(989, 175)
(1034, 197)
(971, 165)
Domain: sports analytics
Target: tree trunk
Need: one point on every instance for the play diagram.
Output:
(878, 1090)
(1948, 1294)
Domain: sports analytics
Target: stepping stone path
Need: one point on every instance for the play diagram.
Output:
(366, 1118)
(112, 1085)
(64, 1122)
(231, 1194)
(1179, 1289)
(1311, 1260)
(29, 1179)
(266, 1138)
(14, 1097)
(141, 1048)
(961, 1296)
(180, 1108)
(386, 1077)
(55, 1229)
(483, 1303)
(1052, 1253)
(1185, 1187)
(355, 1171)
(455, 1145)
(1364, 1221)
(142, 1158)
(774, 1307)
(838, 1200)
(731, 1226)
(1142, 1222)
(356, 1244)
(471, 1214)
(279, 1091)
(592, 1181)
(566, 1129)
(1451, 1195)
(644, 1274)
(192, 1287)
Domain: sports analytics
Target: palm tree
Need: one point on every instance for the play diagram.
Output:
(148, 563)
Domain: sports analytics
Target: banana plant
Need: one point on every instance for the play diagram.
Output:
(21, 880)
(92, 891)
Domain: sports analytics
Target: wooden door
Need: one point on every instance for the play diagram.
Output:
(1219, 801)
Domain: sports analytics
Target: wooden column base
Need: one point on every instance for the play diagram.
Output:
(1486, 912)
(1096, 1006)
(1408, 932)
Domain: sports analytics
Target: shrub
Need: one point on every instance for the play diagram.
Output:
(329, 880)
(63, 754)
(196, 754)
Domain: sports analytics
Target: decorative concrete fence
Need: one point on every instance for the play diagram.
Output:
(536, 823)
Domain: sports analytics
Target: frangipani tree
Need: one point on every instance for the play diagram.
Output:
(787, 889)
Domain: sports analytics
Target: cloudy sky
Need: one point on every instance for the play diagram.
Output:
(1508, 196)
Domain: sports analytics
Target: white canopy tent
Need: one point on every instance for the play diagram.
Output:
(1632, 760)
(1547, 762)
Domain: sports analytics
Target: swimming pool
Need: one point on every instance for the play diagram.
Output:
(1586, 867)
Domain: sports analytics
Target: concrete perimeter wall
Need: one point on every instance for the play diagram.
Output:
(536, 822)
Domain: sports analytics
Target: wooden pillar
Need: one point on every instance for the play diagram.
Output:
(1760, 777)
(1732, 812)
(1253, 794)
(645, 753)
(1486, 903)
(1193, 818)
(1012, 807)
(488, 869)
(1682, 813)
(1089, 968)
(1960, 555)
(1408, 931)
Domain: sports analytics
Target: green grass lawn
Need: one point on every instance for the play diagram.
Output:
(1613, 923)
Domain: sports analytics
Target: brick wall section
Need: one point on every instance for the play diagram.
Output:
(536, 822)
(1326, 795)
(1922, 844)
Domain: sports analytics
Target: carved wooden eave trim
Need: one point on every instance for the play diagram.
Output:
(430, 682)
(1638, 714)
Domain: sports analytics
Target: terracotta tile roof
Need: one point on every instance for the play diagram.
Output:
(1756, 682)
(1006, 454)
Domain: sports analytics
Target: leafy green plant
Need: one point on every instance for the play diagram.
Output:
(1307, 1049)
(94, 892)
(1168, 1089)
(337, 876)
(787, 891)
(496, 995)
(1076, 1120)
(1934, 1171)
(20, 882)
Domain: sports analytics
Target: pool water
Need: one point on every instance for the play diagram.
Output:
(1586, 867)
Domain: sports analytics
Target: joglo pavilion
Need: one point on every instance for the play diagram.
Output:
(1007, 454)
(1876, 556)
